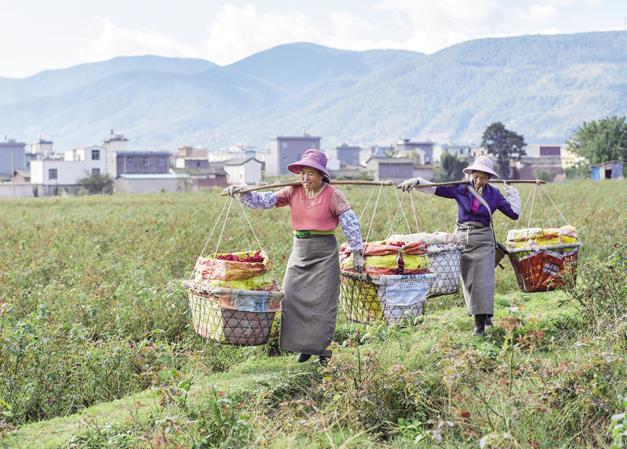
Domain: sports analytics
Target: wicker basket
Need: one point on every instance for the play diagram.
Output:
(392, 298)
(444, 260)
(230, 316)
(540, 269)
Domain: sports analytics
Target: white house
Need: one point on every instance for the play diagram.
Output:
(116, 142)
(76, 164)
(240, 171)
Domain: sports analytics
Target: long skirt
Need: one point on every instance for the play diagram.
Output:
(477, 268)
(312, 290)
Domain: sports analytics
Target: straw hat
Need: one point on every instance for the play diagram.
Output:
(484, 164)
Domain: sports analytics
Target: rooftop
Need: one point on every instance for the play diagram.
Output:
(143, 153)
(155, 176)
(231, 162)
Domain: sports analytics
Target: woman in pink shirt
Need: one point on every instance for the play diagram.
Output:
(312, 277)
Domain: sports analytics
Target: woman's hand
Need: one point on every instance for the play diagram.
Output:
(513, 197)
(408, 186)
(358, 261)
(235, 189)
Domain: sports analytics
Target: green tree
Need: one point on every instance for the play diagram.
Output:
(451, 168)
(97, 183)
(601, 140)
(504, 144)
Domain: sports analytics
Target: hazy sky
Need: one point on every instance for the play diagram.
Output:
(42, 34)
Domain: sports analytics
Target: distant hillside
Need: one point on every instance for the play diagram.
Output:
(540, 86)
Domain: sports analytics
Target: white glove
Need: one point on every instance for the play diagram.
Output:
(234, 189)
(410, 184)
(358, 261)
(513, 197)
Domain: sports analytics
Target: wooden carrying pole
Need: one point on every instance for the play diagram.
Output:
(492, 181)
(386, 183)
(298, 183)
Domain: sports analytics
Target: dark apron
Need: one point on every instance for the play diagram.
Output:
(312, 290)
(477, 267)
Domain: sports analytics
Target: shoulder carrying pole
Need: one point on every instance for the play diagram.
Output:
(338, 182)
(389, 183)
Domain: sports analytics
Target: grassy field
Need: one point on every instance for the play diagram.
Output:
(91, 311)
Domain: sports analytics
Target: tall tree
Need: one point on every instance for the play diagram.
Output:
(451, 168)
(601, 140)
(504, 144)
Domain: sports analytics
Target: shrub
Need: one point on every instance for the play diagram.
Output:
(601, 292)
(363, 394)
(97, 183)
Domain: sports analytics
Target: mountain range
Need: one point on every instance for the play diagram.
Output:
(540, 86)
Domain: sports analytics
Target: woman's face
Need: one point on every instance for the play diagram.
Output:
(479, 179)
(310, 178)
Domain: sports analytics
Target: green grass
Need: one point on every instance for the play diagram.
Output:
(92, 314)
(411, 347)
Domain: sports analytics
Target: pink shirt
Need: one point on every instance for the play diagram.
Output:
(313, 214)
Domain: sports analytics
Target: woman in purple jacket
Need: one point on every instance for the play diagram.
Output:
(473, 223)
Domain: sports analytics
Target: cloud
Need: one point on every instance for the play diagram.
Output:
(236, 32)
(113, 40)
(431, 26)
(541, 13)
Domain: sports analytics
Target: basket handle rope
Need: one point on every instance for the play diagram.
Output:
(554, 205)
(402, 209)
(391, 220)
(227, 206)
(243, 209)
(215, 225)
(532, 196)
(376, 205)
(413, 210)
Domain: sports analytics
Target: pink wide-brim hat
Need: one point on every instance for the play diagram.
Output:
(484, 164)
(312, 158)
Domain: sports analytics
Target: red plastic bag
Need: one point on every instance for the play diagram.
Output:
(232, 266)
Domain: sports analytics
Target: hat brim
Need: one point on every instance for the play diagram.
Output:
(296, 167)
(468, 170)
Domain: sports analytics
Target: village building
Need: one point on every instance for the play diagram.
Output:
(347, 155)
(243, 171)
(287, 149)
(607, 170)
(390, 169)
(77, 163)
(12, 157)
(422, 152)
(543, 161)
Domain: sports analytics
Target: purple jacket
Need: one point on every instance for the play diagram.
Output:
(462, 195)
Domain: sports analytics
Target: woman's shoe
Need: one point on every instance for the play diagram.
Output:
(303, 358)
(479, 325)
(488, 321)
(324, 360)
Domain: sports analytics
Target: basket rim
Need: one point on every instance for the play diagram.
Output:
(444, 247)
(377, 277)
(544, 248)
(194, 287)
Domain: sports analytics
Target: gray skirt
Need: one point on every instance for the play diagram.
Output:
(312, 290)
(477, 268)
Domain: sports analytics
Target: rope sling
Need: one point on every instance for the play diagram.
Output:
(393, 298)
(229, 315)
(541, 266)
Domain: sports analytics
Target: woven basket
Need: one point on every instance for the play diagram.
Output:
(366, 298)
(230, 316)
(445, 264)
(541, 269)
